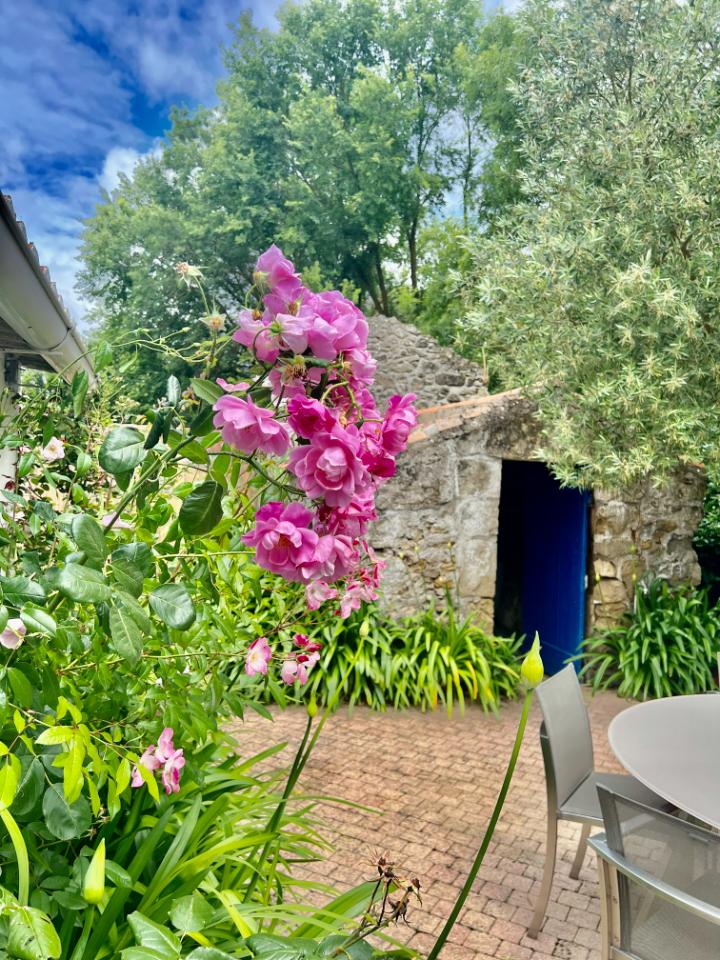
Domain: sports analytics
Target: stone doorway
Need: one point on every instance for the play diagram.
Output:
(541, 560)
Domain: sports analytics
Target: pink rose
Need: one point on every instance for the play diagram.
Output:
(13, 634)
(163, 755)
(335, 557)
(241, 387)
(329, 467)
(317, 593)
(283, 542)
(308, 417)
(248, 427)
(362, 367)
(398, 423)
(293, 332)
(278, 273)
(254, 333)
(258, 657)
(351, 520)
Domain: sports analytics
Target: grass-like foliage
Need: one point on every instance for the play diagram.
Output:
(418, 661)
(667, 646)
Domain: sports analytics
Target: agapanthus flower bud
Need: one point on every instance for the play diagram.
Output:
(94, 883)
(532, 670)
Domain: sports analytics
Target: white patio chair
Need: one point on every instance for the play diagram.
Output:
(570, 776)
(659, 884)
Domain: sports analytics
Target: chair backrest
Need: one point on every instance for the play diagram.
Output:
(668, 881)
(567, 729)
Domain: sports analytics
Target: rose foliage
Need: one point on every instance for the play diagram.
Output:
(129, 545)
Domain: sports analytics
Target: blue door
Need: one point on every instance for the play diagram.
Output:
(542, 561)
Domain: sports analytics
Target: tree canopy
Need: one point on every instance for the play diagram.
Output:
(340, 136)
(600, 290)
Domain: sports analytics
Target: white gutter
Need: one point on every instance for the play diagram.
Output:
(30, 305)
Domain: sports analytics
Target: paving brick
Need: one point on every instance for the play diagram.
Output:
(432, 782)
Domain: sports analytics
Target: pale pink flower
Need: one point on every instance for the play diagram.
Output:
(258, 657)
(164, 756)
(277, 273)
(13, 634)
(308, 417)
(248, 427)
(317, 592)
(119, 524)
(171, 771)
(398, 423)
(254, 333)
(53, 450)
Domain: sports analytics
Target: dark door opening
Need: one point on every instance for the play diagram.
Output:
(541, 561)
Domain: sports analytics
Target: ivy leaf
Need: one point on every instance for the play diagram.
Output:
(201, 509)
(206, 390)
(88, 535)
(83, 584)
(122, 450)
(126, 638)
(31, 935)
(173, 605)
(64, 820)
(20, 590)
(154, 937)
(191, 914)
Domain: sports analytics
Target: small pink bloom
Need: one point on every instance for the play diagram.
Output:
(258, 657)
(254, 333)
(293, 332)
(119, 524)
(13, 634)
(283, 542)
(165, 747)
(351, 520)
(362, 367)
(278, 273)
(286, 380)
(329, 467)
(305, 643)
(248, 427)
(317, 593)
(335, 557)
(398, 423)
(171, 772)
(308, 417)
(149, 762)
(241, 387)
(293, 670)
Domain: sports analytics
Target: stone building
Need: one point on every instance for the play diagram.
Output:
(474, 515)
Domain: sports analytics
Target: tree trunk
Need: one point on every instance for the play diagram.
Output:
(412, 252)
(381, 283)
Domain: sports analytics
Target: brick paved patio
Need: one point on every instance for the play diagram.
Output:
(435, 780)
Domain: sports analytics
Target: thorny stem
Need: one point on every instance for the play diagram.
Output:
(467, 887)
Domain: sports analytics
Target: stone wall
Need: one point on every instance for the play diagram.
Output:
(644, 532)
(411, 362)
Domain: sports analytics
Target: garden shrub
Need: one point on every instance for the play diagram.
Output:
(416, 661)
(668, 645)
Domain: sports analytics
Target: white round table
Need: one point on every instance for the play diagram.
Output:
(673, 747)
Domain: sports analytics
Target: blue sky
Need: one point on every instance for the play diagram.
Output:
(86, 89)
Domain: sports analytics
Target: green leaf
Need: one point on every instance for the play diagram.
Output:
(103, 355)
(79, 389)
(20, 590)
(173, 605)
(268, 947)
(88, 535)
(128, 575)
(125, 636)
(83, 463)
(201, 510)
(4, 616)
(83, 584)
(122, 450)
(31, 935)
(138, 553)
(209, 953)
(357, 951)
(8, 785)
(21, 686)
(153, 936)
(72, 770)
(38, 621)
(191, 913)
(64, 820)
(141, 953)
(206, 390)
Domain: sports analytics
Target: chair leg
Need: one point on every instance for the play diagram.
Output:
(547, 878)
(580, 853)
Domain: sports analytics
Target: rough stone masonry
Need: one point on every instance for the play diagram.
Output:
(438, 525)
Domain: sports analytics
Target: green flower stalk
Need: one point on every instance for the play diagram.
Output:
(532, 672)
(94, 884)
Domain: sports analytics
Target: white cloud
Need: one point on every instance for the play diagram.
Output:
(118, 161)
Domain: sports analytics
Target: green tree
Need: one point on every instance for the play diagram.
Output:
(342, 136)
(600, 293)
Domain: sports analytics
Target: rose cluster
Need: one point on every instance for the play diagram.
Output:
(340, 447)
